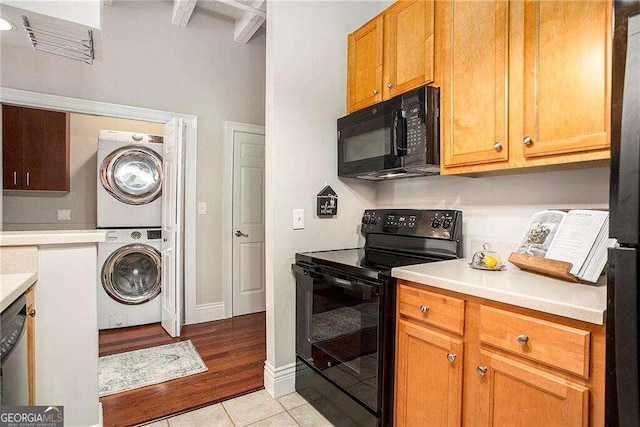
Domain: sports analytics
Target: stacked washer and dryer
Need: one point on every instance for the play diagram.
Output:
(129, 209)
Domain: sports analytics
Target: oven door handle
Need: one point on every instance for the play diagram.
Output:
(367, 290)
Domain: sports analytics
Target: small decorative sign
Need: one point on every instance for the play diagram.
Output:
(327, 202)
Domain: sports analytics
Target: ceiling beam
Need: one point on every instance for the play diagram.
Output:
(182, 10)
(249, 23)
(247, 7)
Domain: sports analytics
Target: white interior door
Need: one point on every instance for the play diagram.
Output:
(248, 223)
(172, 220)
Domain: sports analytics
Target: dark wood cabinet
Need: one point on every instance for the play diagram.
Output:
(35, 149)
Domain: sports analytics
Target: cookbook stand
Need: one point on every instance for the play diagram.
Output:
(548, 267)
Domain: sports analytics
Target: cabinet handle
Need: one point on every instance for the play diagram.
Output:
(497, 146)
(28, 179)
(424, 308)
(15, 178)
(389, 85)
(32, 313)
(375, 91)
(482, 370)
(451, 357)
(527, 141)
(523, 339)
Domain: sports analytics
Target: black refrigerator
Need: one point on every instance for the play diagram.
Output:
(622, 396)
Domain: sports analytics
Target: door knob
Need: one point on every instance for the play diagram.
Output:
(482, 370)
(241, 234)
(497, 146)
(389, 85)
(375, 91)
(451, 357)
(527, 141)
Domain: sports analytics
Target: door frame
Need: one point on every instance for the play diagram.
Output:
(230, 128)
(97, 108)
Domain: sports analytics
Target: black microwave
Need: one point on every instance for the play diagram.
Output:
(397, 138)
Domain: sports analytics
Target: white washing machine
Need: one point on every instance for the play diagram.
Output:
(129, 180)
(129, 278)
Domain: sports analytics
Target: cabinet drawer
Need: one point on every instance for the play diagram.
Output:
(550, 343)
(435, 309)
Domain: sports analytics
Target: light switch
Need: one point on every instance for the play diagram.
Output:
(64, 215)
(298, 219)
(202, 208)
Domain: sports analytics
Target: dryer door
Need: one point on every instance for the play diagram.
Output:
(132, 274)
(133, 174)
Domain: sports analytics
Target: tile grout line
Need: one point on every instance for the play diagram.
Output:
(228, 414)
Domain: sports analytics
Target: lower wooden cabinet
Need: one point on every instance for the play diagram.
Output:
(428, 377)
(499, 369)
(516, 394)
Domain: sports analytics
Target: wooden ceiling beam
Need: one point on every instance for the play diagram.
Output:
(182, 10)
(249, 23)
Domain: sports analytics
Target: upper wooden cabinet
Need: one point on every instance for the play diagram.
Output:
(364, 70)
(35, 149)
(524, 83)
(474, 57)
(566, 77)
(391, 54)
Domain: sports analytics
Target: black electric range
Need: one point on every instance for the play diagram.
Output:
(345, 311)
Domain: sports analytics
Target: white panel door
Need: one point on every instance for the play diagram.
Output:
(172, 220)
(248, 223)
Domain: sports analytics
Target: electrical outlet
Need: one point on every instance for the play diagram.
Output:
(298, 219)
(64, 215)
(202, 208)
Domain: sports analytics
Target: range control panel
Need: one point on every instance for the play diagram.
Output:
(439, 224)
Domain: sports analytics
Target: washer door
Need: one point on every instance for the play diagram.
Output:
(132, 274)
(133, 175)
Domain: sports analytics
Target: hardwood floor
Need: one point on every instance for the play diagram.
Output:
(234, 350)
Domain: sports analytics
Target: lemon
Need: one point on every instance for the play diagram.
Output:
(490, 261)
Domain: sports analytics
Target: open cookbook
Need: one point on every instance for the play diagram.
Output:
(579, 237)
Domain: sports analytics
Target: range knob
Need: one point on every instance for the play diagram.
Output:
(435, 223)
(446, 223)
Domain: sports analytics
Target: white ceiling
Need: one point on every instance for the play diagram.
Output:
(220, 8)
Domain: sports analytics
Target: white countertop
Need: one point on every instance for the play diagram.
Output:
(57, 237)
(14, 285)
(514, 286)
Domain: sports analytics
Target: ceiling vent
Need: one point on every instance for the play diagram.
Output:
(78, 47)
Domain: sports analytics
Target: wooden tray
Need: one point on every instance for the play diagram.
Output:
(548, 267)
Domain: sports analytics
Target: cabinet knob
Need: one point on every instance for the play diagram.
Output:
(375, 91)
(424, 308)
(32, 313)
(523, 339)
(389, 85)
(28, 179)
(15, 178)
(482, 370)
(497, 146)
(527, 141)
(451, 357)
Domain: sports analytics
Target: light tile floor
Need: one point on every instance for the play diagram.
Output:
(255, 409)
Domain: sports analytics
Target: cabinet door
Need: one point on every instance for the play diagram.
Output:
(428, 377)
(46, 150)
(515, 394)
(408, 53)
(474, 81)
(566, 76)
(364, 66)
(12, 147)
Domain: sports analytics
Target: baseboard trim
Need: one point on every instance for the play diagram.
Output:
(209, 312)
(279, 381)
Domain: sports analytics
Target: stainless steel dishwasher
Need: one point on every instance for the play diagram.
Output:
(14, 372)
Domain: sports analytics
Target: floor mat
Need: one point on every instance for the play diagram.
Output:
(139, 368)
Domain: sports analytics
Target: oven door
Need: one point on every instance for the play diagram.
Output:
(371, 140)
(338, 330)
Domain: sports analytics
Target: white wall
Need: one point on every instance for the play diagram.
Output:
(39, 211)
(497, 209)
(148, 62)
(306, 88)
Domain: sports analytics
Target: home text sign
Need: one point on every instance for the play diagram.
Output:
(327, 202)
